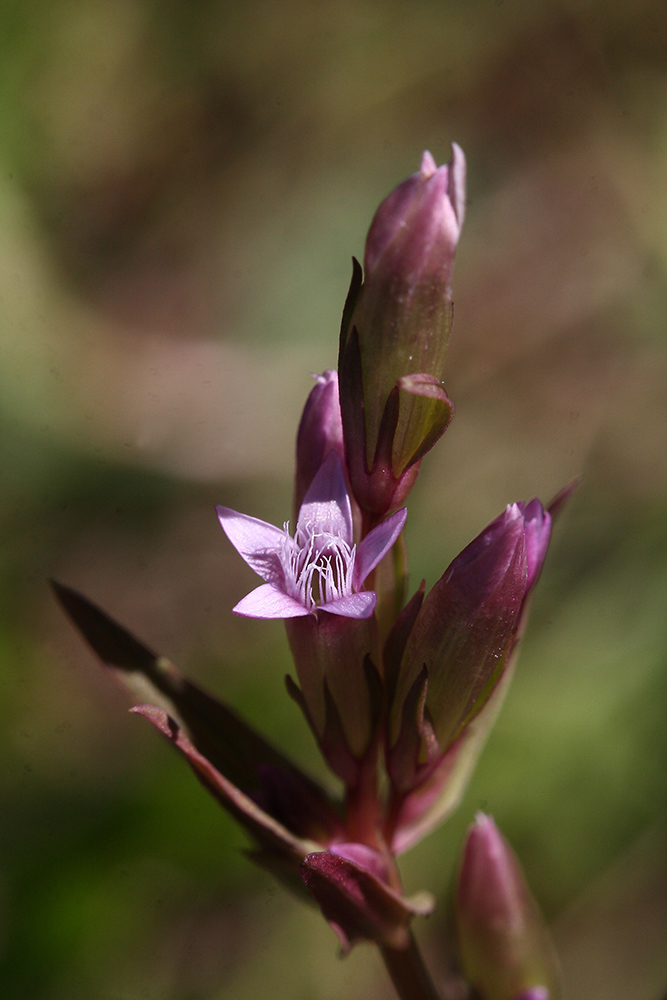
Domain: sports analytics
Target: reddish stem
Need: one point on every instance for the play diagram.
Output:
(408, 973)
(363, 809)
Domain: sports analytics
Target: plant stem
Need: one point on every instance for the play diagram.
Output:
(408, 973)
(362, 807)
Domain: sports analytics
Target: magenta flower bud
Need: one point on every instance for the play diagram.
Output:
(466, 626)
(395, 332)
(415, 230)
(320, 431)
(504, 948)
(448, 663)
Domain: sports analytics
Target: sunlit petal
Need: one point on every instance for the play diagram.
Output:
(355, 606)
(256, 541)
(268, 601)
(376, 544)
(327, 502)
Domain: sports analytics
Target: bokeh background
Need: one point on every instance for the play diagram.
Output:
(182, 186)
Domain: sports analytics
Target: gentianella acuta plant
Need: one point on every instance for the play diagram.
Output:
(400, 695)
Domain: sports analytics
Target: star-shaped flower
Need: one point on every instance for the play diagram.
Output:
(320, 568)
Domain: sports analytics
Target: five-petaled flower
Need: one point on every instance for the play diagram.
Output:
(319, 568)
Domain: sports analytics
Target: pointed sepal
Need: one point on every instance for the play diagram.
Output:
(274, 839)
(438, 788)
(230, 745)
(351, 889)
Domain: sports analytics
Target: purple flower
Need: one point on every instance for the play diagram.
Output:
(319, 568)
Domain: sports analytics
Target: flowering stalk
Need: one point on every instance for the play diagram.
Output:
(400, 697)
(409, 974)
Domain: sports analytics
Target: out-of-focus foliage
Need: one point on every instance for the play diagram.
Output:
(181, 188)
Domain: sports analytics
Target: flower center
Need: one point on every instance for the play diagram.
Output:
(318, 565)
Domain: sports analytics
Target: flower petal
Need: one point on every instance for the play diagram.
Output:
(376, 544)
(327, 503)
(268, 601)
(256, 541)
(355, 606)
(537, 526)
(320, 432)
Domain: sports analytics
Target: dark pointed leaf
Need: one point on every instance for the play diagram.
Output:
(271, 835)
(403, 758)
(398, 638)
(224, 739)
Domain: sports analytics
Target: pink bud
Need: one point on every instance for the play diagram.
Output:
(320, 431)
(415, 230)
(395, 332)
(505, 950)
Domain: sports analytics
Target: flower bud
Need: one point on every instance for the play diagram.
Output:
(505, 950)
(466, 626)
(448, 663)
(395, 333)
(320, 431)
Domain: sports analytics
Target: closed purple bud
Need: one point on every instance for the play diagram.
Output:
(505, 950)
(395, 334)
(465, 627)
(417, 227)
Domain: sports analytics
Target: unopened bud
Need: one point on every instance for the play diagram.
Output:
(505, 950)
(395, 333)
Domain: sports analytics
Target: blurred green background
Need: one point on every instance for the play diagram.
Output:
(182, 185)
